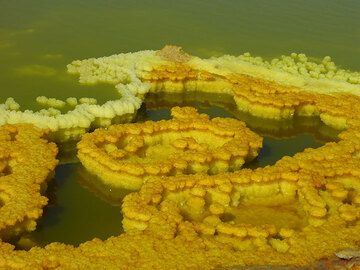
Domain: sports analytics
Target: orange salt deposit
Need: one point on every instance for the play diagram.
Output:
(26, 163)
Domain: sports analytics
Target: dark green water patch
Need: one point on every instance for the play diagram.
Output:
(74, 215)
(274, 149)
(111, 195)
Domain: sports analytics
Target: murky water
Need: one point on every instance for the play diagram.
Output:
(39, 38)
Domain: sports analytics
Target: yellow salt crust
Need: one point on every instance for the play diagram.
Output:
(50, 102)
(262, 94)
(306, 207)
(127, 70)
(27, 161)
(251, 81)
(173, 71)
(84, 114)
(126, 155)
(314, 221)
(258, 96)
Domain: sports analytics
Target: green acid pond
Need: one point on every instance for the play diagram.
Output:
(39, 38)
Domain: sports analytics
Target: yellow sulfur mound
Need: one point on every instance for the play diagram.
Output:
(126, 155)
(26, 162)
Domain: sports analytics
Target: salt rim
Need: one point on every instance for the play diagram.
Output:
(190, 143)
(74, 123)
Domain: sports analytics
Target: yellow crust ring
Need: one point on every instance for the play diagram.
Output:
(26, 161)
(305, 207)
(126, 155)
(323, 183)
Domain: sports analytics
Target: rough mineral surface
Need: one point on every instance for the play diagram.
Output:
(305, 206)
(302, 209)
(26, 162)
(75, 118)
(126, 155)
(251, 81)
(276, 89)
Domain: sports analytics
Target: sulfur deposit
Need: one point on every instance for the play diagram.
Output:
(276, 89)
(140, 70)
(68, 120)
(300, 81)
(126, 155)
(26, 163)
(301, 210)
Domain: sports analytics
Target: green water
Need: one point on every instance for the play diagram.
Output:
(39, 38)
(74, 215)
